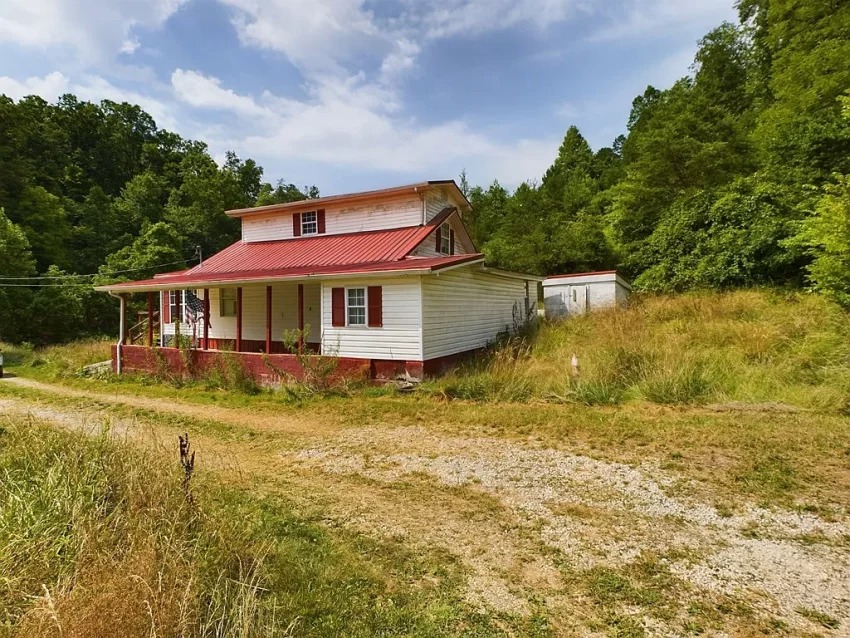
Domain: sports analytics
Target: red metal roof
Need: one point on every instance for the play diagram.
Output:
(300, 257)
(323, 250)
(197, 279)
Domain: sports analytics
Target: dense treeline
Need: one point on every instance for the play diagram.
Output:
(87, 188)
(737, 175)
(731, 177)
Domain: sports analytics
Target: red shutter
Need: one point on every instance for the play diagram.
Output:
(166, 307)
(338, 307)
(296, 225)
(320, 221)
(451, 242)
(438, 237)
(376, 306)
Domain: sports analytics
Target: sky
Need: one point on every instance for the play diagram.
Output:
(351, 95)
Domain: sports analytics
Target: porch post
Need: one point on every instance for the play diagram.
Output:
(300, 317)
(239, 319)
(121, 324)
(268, 319)
(206, 318)
(150, 320)
(123, 319)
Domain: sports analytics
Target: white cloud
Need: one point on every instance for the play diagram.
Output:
(49, 87)
(316, 35)
(95, 30)
(206, 92)
(445, 18)
(90, 88)
(347, 124)
(643, 18)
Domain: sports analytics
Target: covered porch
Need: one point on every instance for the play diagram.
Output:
(268, 329)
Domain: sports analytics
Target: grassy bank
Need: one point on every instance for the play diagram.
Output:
(98, 538)
(749, 346)
(699, 348)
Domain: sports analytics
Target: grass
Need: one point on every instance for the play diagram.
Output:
(752, 346)
(99, 539)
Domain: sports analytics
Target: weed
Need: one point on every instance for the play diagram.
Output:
(819, 617)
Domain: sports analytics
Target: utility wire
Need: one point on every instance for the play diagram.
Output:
(107, 274)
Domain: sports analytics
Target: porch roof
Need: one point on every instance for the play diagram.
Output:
(208, 278)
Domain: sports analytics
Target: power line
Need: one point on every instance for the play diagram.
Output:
(114, 272)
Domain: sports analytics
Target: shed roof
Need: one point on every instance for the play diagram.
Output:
(586, 278)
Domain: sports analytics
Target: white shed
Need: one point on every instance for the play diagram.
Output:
(569, 295)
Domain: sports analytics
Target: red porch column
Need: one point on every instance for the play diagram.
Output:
(124, 331)
(268, 319)
(239, 319)
(206, 318)
(300, 317)
(150, 320)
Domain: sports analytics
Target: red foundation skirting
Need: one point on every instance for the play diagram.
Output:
(270, 369)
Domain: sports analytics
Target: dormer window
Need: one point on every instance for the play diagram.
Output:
(309, 223)
(445, 239)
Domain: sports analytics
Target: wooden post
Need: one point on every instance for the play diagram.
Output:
(268, 319)
(206, 318)
(121, 336)
(239, 319)
(150, 320)
(300, 317)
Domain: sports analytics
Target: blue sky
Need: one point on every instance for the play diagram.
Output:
(358, 94)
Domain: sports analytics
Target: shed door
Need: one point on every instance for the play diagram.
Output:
(577, 300)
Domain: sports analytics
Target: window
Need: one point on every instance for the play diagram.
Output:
(227, 302)
(175, 305)
(445, 239)
(356, 306)
(309, 223)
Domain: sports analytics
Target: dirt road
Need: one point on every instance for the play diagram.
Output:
(539, 530)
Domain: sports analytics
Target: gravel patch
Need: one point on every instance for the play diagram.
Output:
(635, 515)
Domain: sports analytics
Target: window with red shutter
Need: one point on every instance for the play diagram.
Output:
(165, 302)
(338, 307)
(376, 306)
(296, 225)
(451, 242)
(320, 217)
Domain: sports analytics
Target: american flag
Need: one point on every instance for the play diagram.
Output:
(193, 307)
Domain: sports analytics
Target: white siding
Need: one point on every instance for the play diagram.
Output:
(466, 308)
(339, 219)
(399, 339)
(600, 294)
(438, 200)
(284, 313)
(428, 248)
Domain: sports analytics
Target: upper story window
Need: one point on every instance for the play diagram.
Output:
(309, 223)
(445, 239)
(227, 302)
(356, 306)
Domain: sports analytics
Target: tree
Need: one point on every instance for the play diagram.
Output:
(826, 237)
(158, 249)
(16, 261)
(43, 219)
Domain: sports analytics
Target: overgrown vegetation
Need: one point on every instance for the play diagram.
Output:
(749, 346)
(734, 176)
(99, 538)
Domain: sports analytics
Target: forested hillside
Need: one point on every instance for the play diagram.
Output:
(99, 189)
(736, 175)
(730, 177)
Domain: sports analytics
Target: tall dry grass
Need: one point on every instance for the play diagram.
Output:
(752, 346)
(97, 539)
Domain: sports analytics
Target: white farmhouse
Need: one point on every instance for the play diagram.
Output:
(387, 281)
(571, 295)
